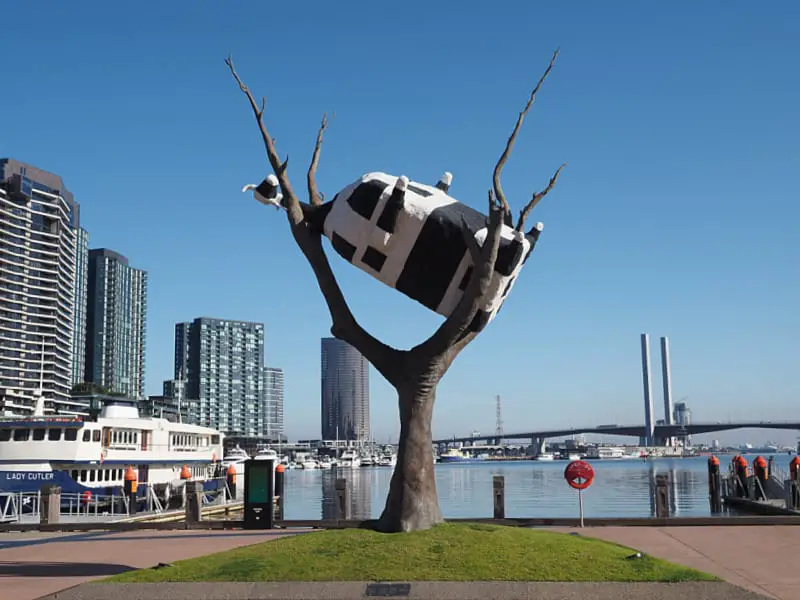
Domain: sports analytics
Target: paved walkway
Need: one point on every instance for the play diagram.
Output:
(758, 558)
(35, 564)
(422, 590)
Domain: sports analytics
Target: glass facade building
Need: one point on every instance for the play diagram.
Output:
(345, 392)
(273, 403)
(116, 319)
(222, 362)
(39, 224)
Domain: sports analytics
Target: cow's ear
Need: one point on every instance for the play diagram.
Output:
(445, 181)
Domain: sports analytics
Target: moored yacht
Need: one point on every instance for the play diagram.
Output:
(267, 454)
(236, 457)
(349, 459)
(388, 460)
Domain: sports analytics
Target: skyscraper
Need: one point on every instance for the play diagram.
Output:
(116, 318)
(79, 306)
(345, 391)
(39, 219)
(273, 403)
(222, 362)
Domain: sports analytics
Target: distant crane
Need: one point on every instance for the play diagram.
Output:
(498, 427)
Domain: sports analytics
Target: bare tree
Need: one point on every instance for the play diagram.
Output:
(412, 503)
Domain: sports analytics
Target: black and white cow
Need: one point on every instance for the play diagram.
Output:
(410, 236)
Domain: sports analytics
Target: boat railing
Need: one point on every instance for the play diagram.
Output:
(26, 506)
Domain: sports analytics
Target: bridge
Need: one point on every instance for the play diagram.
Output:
(661, 432)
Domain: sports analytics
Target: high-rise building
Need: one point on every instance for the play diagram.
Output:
(345, 391)
(116, 319)
(683, 417)
(222, 362)
(39, 220)
(79, 306)
(273, 403)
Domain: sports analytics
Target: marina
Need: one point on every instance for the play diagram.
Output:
(533, 489)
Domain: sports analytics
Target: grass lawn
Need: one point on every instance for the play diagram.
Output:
(448, 552)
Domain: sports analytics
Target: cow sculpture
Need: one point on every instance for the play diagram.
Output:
(411, 237)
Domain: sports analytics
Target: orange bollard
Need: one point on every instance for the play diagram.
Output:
(131, 485)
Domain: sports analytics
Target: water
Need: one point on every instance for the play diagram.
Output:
(621, 488)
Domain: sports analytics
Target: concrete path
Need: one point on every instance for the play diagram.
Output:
(759, 558)
(414, 591)
(35, 564)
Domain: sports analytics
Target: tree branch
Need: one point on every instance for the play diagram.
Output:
(523, 214)
(313, 194)
(384, 358)
(293, 210)
(456, 325)
(498, 169)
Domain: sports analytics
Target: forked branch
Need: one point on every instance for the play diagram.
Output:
(523, 214)
(313, 194)
(344, 325)
(498, 169)
(456, 326)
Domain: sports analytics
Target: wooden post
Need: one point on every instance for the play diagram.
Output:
(714, 485)
(342, 500)
(50, 507)
(662, 496)
(194, 501)
(499, 495)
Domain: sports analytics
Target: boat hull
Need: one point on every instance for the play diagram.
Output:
(459, 459)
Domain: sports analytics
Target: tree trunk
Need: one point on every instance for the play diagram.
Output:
(412, 503)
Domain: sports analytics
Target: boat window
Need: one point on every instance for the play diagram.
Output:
(105, 474)
(21, 435)
(54, 434)
(70, 435)
(215, 439)
(5, 435)
(38, 434)
(87, 435)
(92, 475)
(74, 474)
(96, 435)
(83, 475)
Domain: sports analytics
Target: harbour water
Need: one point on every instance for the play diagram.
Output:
(621, 488)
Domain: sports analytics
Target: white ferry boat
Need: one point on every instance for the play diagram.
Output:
(92, 456)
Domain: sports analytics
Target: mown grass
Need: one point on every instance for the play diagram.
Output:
(448, 552)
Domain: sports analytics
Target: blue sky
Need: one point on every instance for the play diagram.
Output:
(675, 215)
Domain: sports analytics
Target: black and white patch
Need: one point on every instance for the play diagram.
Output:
(417, 245)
